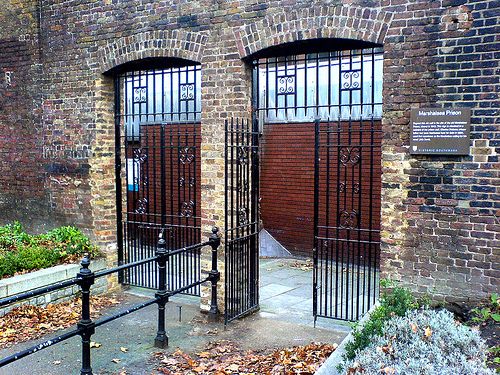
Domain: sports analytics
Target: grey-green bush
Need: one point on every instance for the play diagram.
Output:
(423, 342)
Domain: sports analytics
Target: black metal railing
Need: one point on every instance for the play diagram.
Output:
(85, 279)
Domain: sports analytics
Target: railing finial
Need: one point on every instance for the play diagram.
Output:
(161, 240)
(85, 263)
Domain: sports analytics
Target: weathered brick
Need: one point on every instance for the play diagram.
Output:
(57, 135)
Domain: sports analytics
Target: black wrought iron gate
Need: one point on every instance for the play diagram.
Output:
(347, 217)
(242, 224)
(158, 140)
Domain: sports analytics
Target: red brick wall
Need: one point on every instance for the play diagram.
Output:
(287, 181)
(287, 185)
(20, 151)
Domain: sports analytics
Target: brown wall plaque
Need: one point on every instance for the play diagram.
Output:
(440, 131)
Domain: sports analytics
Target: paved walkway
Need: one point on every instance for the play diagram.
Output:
(286, 293)
(285, 319)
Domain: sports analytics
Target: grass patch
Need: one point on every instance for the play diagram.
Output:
(21, 252)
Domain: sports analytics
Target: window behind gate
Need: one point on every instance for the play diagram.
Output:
(163, 95)
(339, 84)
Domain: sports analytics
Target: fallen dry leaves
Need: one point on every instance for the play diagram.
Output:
(306, 265)
(225, 358)
(31, 322)
(428, 332)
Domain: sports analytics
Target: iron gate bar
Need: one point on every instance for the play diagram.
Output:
(241, 210)
(316, 220)
(118, 182)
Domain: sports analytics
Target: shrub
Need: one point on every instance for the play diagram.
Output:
(12, 235)
(423, 342)
(70, 240)
(488, 311)
(20, 251)
(394, 303)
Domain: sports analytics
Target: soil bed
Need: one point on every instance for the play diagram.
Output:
(489, 328)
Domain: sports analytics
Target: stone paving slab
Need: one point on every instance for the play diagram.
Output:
(273, 290)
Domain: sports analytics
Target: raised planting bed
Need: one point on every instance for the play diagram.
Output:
(30, 261)
(28, 281)
(404, 335)
(21, 252)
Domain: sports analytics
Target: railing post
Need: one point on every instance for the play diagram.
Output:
(85, 279)
(161, 339)
(214, 274)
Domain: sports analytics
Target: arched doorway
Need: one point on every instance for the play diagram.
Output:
(318, 105)
(158, 138)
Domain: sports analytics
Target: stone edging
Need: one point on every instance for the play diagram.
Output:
(25, 282)
(329, 367)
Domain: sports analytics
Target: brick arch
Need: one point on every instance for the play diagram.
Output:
(169, 43)
(348, 22)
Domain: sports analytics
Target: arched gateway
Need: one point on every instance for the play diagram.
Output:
(314, 183)
(158, 136)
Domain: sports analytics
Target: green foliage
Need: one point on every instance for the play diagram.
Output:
(20, 251)
(490, 311)
(12, 235)
(397, 302)
(494, 357)
(70, 240)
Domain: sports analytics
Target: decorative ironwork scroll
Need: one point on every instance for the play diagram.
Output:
(187, 209)
(140, 94)
(186, 155)
(187, 91)
(286, 85)
(142, 206)
(351, 80)
(350, 156)
(348, 219)
(140, 154)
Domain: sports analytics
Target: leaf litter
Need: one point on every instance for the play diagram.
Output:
(303, 265)
(30, 322)
(226, 358)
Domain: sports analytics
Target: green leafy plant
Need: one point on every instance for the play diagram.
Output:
(494, 357)
(12, 235)
(490, 311)
(20, 251)
(70, 240)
